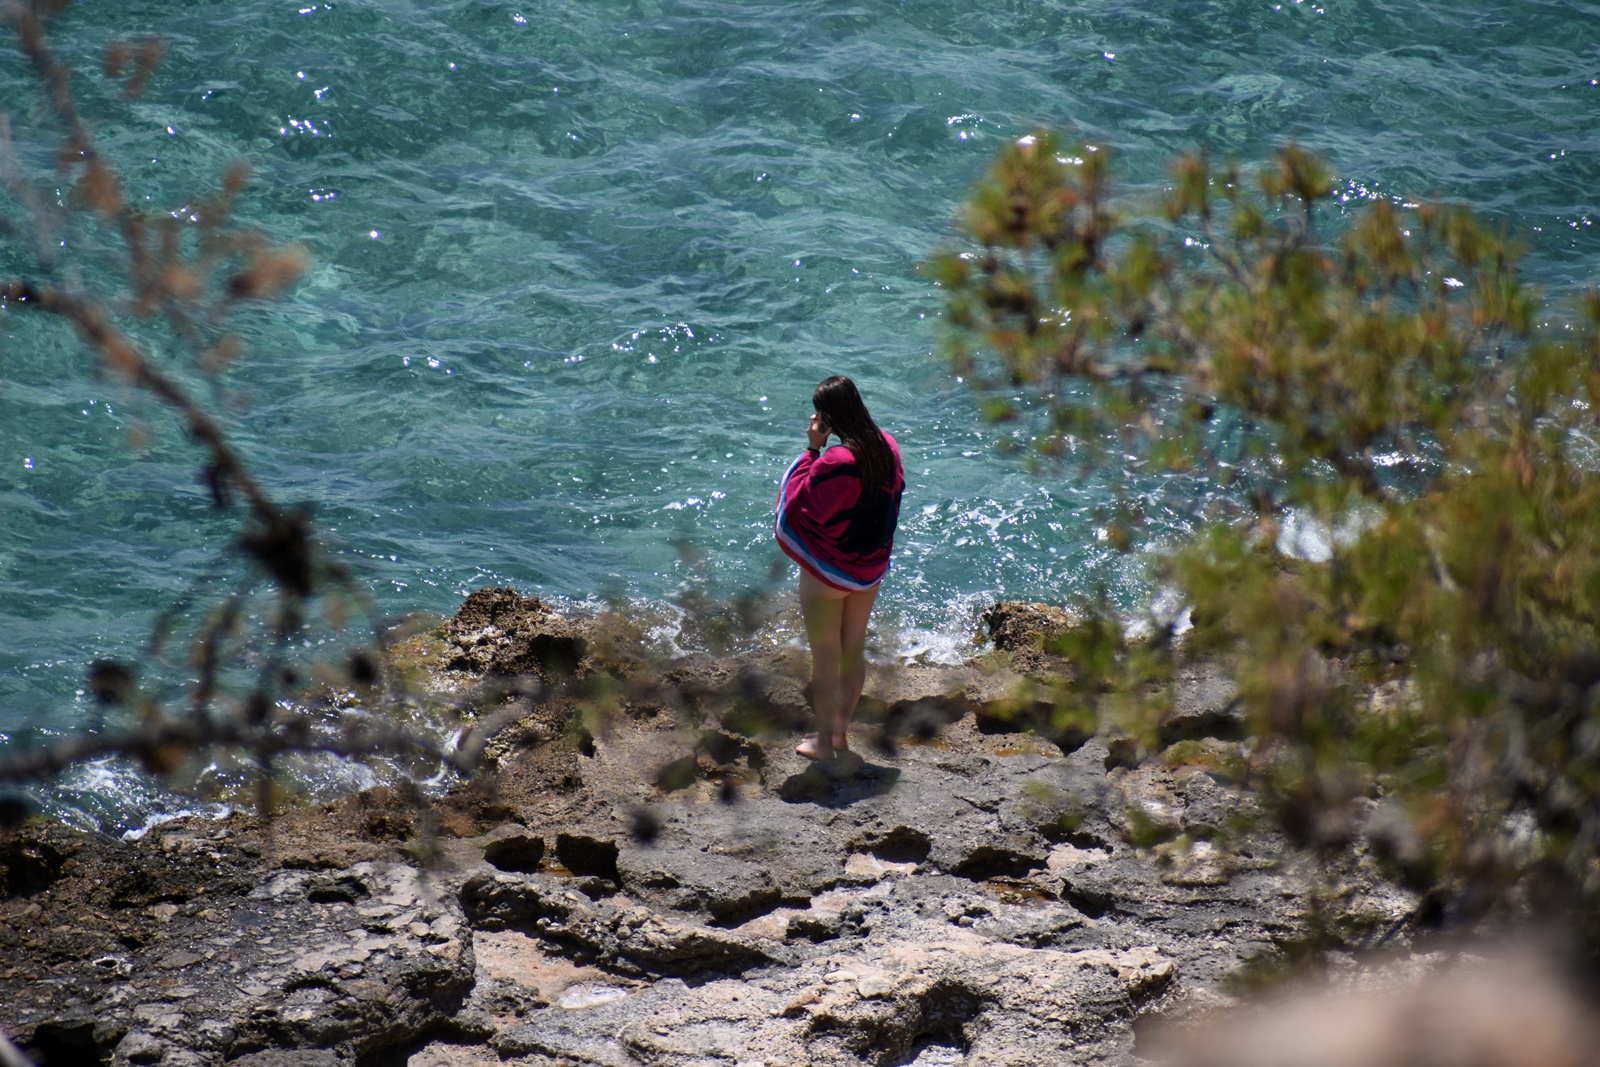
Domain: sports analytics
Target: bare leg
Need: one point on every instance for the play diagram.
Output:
(852, 657)
(823, 609)
(836, 628)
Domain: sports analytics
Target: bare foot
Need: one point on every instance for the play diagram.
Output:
(809, 748)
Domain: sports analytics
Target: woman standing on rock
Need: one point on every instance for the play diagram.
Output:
(837, 511)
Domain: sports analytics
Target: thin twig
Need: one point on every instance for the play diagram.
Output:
(10, 1055)
(121, 354)
(270, 740)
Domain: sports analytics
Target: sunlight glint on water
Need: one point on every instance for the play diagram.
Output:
(580, 265)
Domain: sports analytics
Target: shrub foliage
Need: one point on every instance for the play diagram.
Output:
(1425, 670)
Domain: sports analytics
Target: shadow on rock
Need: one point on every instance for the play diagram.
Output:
(839, 783)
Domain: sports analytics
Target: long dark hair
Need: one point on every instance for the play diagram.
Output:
(837, 401)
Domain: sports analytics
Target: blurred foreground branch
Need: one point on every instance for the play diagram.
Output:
(239, 685)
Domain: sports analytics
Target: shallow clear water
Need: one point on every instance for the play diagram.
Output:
(579, 265)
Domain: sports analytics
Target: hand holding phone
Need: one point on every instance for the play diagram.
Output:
(817, 431)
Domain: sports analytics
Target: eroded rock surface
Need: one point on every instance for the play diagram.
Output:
(972, 897)
(187, 948)
(500, 632)
(986, 909)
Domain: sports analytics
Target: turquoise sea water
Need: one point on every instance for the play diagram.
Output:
(579, 264)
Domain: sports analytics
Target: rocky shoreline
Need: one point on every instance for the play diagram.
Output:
(642, 895)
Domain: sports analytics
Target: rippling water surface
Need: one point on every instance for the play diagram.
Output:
(579, 264)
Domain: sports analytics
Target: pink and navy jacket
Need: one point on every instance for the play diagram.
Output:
(826, 525)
